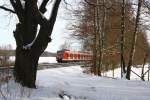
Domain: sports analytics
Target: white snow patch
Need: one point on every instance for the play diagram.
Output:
(138, 70)
(41, 59)
(12, 58)
(28, 46)
(75, 85)
(23, 3)
(47, 60)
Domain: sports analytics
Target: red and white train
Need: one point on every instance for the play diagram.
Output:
(72, 56)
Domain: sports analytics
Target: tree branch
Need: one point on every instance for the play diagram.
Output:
(18, 9)
(40, 18)
(45, 32)
(53, 16)
(43, 6)
(7, 9)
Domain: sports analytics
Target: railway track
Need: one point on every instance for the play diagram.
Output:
(58, 65)
(43, 66)
(6, 73)
(50, 65)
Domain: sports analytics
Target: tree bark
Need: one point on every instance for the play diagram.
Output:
(99, 39)
(29, 47)
(122, 60)
(95, 44)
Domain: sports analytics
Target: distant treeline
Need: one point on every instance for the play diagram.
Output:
(12, 53)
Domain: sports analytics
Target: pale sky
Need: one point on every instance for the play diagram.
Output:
(8, 22)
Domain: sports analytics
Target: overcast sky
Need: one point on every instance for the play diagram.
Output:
(8, 22)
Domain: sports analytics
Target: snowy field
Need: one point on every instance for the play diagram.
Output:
(70, 83)
(117, 73)
(47, 60)
(41, 59)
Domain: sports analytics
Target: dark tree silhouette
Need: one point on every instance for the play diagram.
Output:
(134, 38)
(30, 42)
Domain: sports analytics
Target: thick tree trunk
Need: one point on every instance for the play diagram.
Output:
(26, 59)
(29, 47)
(25, 67)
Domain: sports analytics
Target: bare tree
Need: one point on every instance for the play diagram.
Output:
(122, 60)
(30, 44)
(107, 20)
(94, 43)
(134, 38)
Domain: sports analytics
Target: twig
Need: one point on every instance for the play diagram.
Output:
(7, 9)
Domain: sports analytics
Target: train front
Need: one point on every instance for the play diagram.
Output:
(62, 56)
(59, 56)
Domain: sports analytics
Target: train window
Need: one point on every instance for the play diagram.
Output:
(88, 56)
(71, 56)
(75, 56)
(78, 56)
(84, 56)
(66, 55)
(81, 56)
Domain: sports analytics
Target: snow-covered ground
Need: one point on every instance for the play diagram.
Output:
(71, 83)
(47, 60)
(117, 73)
(41, 59)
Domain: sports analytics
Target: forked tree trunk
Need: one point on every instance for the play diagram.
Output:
(29, 47)
(27, 58)
(25, 68)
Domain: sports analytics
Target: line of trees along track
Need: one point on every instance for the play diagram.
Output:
(115, 32)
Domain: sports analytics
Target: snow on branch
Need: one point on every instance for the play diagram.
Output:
(7, 9)
(22, 3)
(28, 46)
